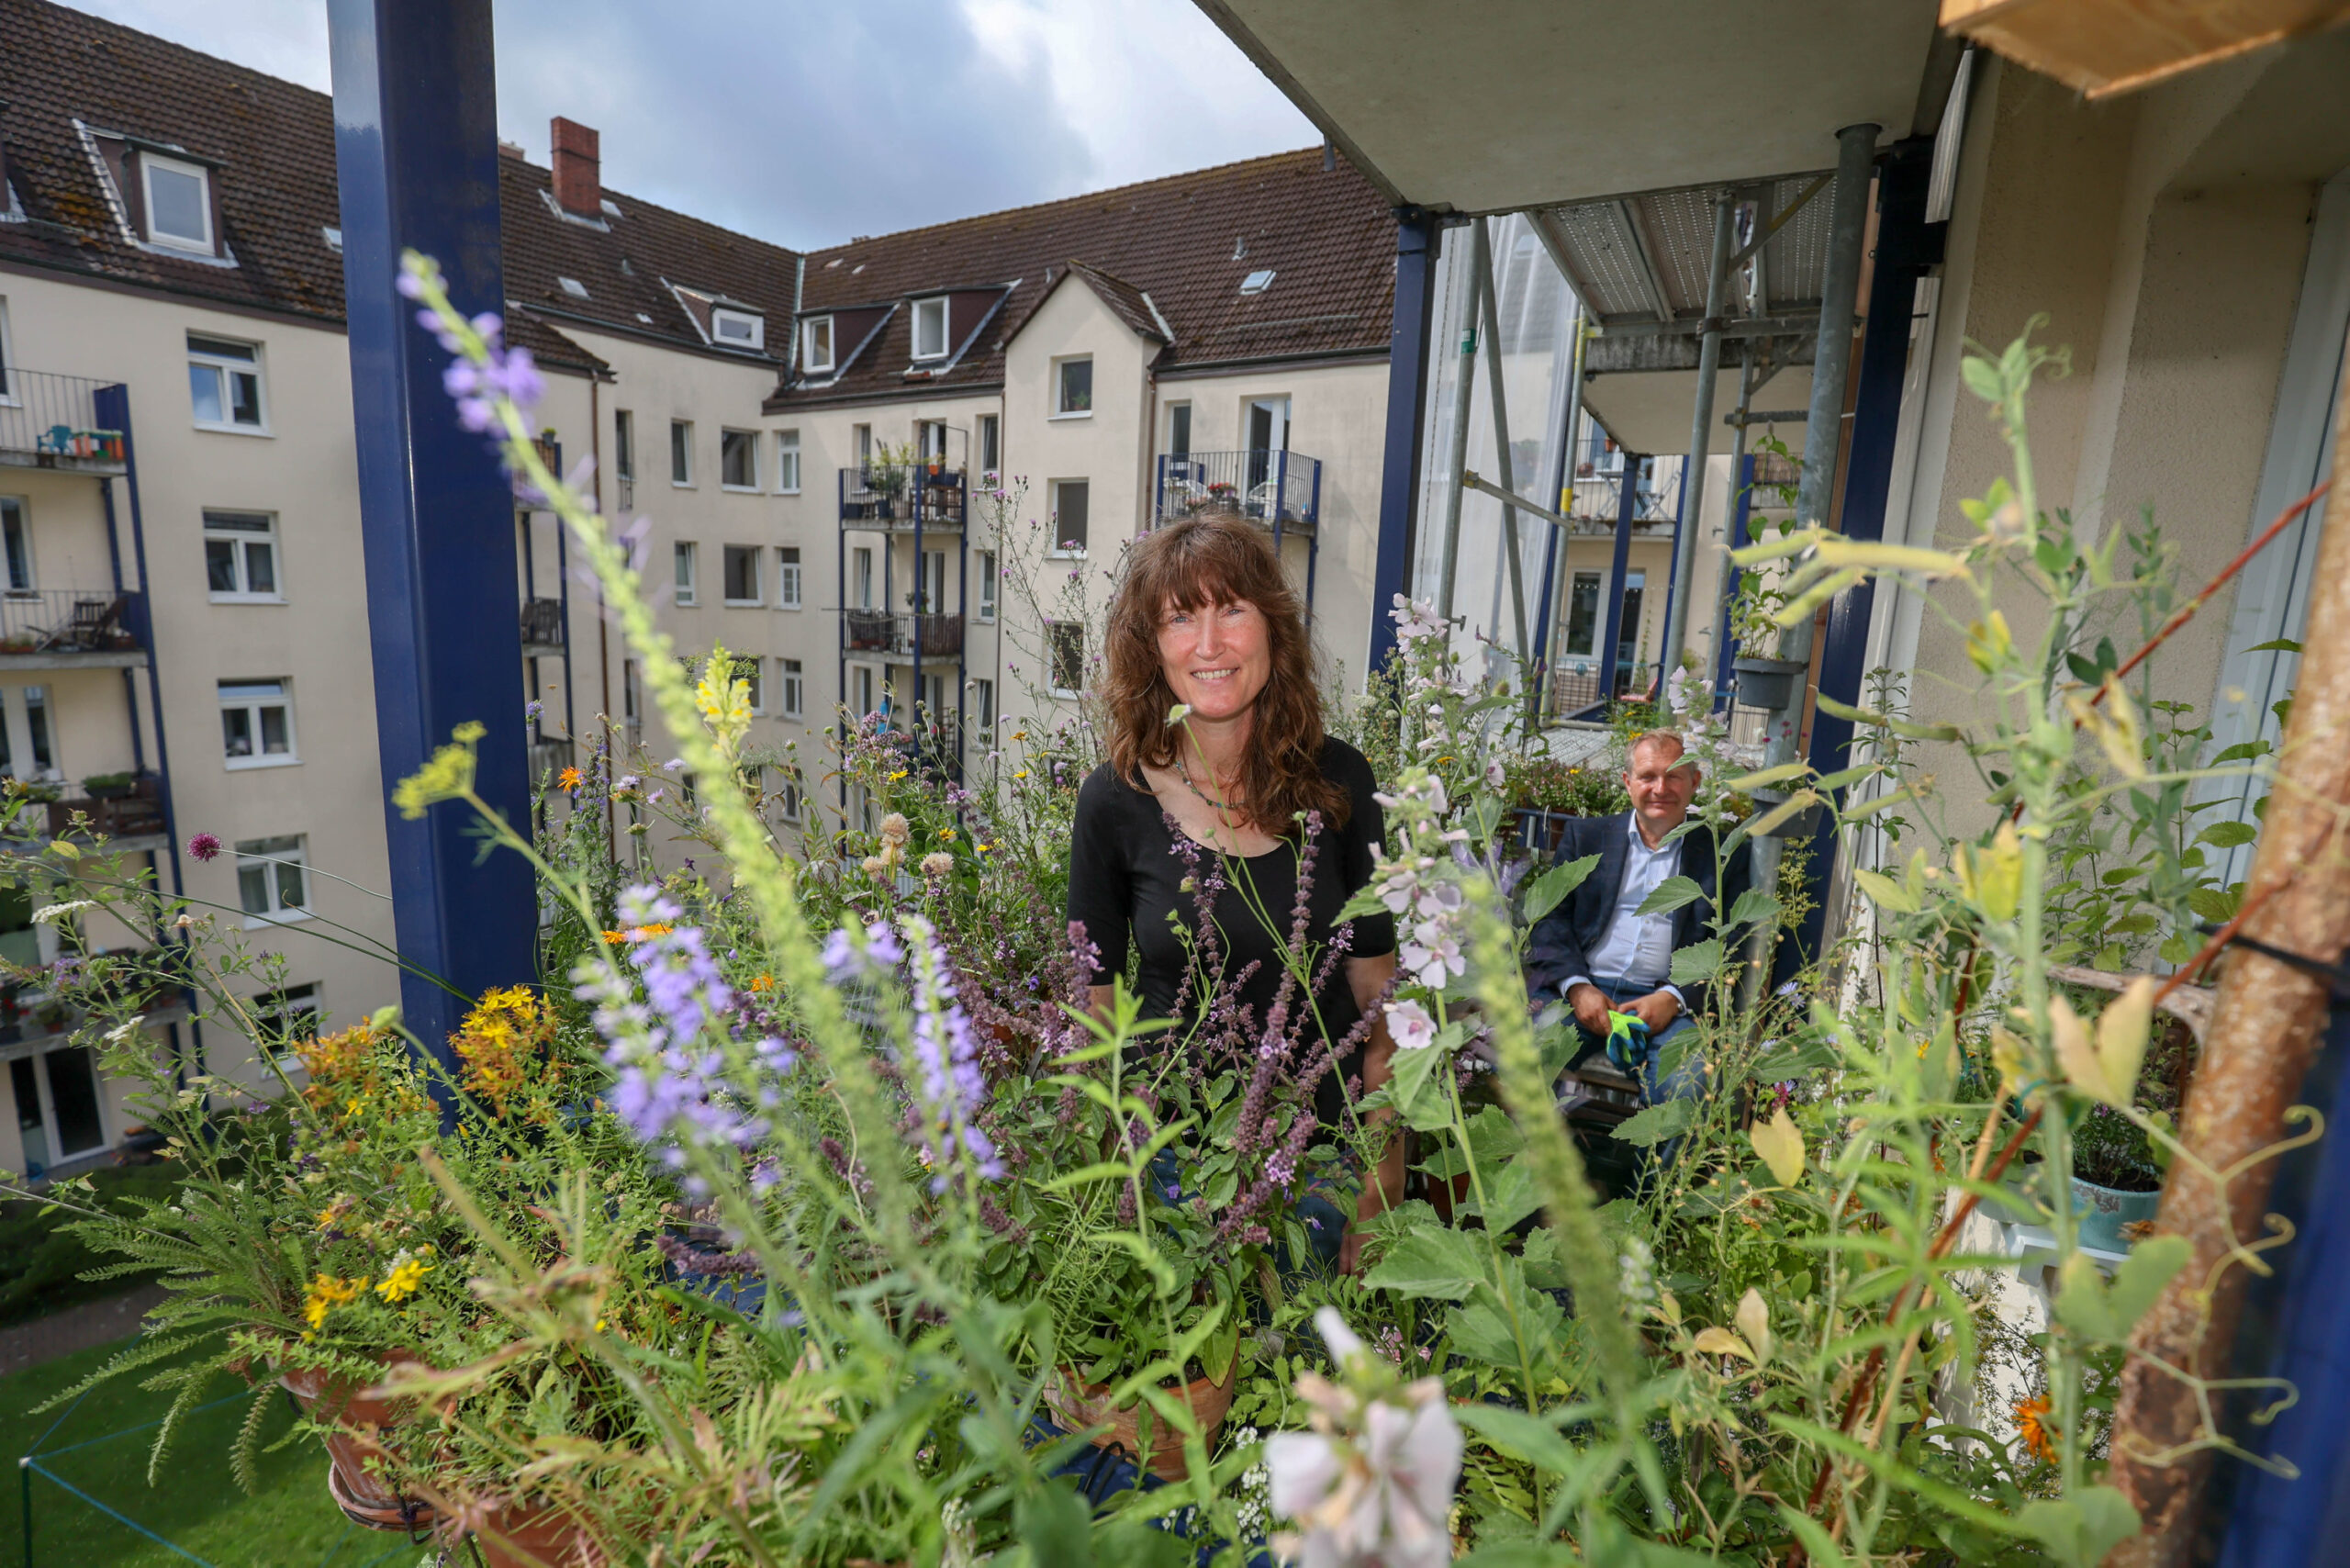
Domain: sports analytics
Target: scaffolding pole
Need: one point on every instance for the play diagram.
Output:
(1682, 586)
(1563, 477)
(1457, 459)
(1501, 464)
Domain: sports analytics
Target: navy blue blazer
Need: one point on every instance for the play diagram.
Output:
(1562, 942)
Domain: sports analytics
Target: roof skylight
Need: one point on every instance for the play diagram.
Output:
(572, 286)
(1258, 281)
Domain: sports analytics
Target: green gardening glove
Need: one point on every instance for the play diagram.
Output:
(1627, 1041)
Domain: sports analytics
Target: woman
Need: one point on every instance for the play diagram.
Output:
(1204, 619)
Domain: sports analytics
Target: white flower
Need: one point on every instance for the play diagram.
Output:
(121, 1033)
(48, 912)
(1409, 1025)
(1495, 774)
(1431, 951)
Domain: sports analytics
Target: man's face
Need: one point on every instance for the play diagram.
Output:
(1662, 783)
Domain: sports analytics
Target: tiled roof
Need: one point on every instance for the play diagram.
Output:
(1129, 304)
(1187, 241)
(274, 143)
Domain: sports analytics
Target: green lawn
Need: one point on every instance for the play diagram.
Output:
(39, 1259)
(197, 1504)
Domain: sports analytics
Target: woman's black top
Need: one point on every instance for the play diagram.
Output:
(1125, 882)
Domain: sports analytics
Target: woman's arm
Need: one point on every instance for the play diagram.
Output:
(1368, 979)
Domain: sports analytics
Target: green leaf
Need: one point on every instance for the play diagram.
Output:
(2243, 751)
(1886, 892)
(2081, 1528)
(1658, 1123)
(1695, 964)
(2276, 645)
(2143, 1274)
(1754, 906)
(2213, 904)
(1747, 782)
(1418, 1092)
(1483, 1330)
(1543, 1268)
(1546, 892)
(1671, 894)
(1433, 1261)
(1512, 1196)
(1055, 1526)
(2227, 835)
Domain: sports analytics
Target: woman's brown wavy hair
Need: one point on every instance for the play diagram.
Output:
(1195, 564)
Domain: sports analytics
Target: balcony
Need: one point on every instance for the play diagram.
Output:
(51, 421)
(542, 626)
(886, 499)
(906, 637)
(1597, 499)
(73, 628)
(1283, 490)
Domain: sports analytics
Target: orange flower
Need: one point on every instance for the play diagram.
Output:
(2032, 1426)
(567, 780)
(763, 982)
(614, 938)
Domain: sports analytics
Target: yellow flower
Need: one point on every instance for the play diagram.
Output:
(614, 938)
(1022, 774)
(568, 781)
(407, 1275)
(724, 700)
(763, 982)
(325, 1293)
(898, 775)
(946, 834)
(982, 849)
(449, 774)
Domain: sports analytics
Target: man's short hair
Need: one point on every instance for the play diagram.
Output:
(1658, 737)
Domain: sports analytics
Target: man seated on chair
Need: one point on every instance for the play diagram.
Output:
(1600, 954)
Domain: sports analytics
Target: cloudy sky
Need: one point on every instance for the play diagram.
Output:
(812, 121)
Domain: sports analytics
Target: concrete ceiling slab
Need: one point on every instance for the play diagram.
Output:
(1649, 412)
(1506, 105)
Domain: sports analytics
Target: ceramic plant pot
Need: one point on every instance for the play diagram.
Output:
(2103, 1211)
(533, 1535)
(1079, 1405)
(359, 1423)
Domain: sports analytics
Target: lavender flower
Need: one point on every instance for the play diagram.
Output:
(948, 1087)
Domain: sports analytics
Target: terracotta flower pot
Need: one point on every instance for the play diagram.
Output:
(1078, 1406)
(359, 1422)
(533, 1535)
(414, 1519)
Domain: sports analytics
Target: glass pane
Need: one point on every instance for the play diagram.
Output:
(684, 569)
(219, 348)
(19, 551)
(204, 391)
(679, 443)
(273, 732)
(1077, 386)
(253, 889)
(1582, 615)
(37, 727)
(7, 750)
(1070, 504)
(73, 1095)
(246, 387)
(1179, 431)
(20, 943)
(237, 731)
(290, 885)
(176, 204)
(28, 1122)
(261, 567)
(221, 564)
(734, 458)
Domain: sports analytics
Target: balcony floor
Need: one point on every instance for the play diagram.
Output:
(49, 461)
(120, 658)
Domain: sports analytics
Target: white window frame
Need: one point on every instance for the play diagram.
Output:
(272, 864)
(721, 315)
(792, 801)
(791, 578)
(983, 702)
(812, 328)
(624, 453)
(725, 559)
(686, 451)
(791, 688)
(20, 507)
(750, 443)
(1052, 658)
(990, 433)
(786, 463)
(1055, 549)
(288, 1002)
(685, 559)
(224, 366)
(38, 1065)
(209, 245)
(632, 714)
(251, 697)
(1059, 388)
(989, 581)
(861, 580)
(750, 669)
(932, 308)
(238, 538)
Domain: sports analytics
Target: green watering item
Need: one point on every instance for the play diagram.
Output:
(1627, 1041)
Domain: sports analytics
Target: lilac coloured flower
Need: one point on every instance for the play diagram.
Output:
(1409, 1025)
(204, 846)
(948, 1087)
(849, 954)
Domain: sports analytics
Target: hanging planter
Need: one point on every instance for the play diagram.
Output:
(360, 1422)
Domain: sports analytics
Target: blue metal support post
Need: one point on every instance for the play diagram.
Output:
(1407, 383)
(1627, 503)
(1907, 247)
(416, 155)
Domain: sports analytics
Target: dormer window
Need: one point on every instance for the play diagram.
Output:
(816, 344)
(930, 329)
(738, 329)
(178, 198)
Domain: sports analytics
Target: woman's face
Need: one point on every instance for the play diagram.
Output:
(1217, 657)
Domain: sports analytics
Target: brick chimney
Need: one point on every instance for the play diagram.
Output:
(578, 186)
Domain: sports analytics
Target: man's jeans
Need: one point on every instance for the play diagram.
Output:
(1687, 1079)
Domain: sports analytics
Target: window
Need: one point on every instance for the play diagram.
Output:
(983, 709)
(930, 329)
(1179, 430)
(179, 203)
(240, 556)
(861, 438)
(60, 1090)
(1258, 281)
(1072, 386)
(31, 743)
(1071, 499)
(795, 688)
(686, 564)
(630, 713)
(15, 545)
(865, 690)
(787, 576)
(861, 578)
(930, 591)
(747, 671)
(816, 344)
(273, 880)
(741, 574)
(572, 286)
(284, 1016)
(1065, 655)
(930, 440)
(1582, 616)
(7, 346)
(791, 807)
(738, 329)
(738, 459)
(224, 384)
(987, 580)
(681, 452)
(990, 444)
(624, 454)
(786, 463)
(257, 724)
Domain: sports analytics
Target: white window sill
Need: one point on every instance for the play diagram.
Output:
(984, 618)
(231, 429)
(686, 601)
(794, 718)
(185, 246)
(787, 492)
(681, 484)
(1064, 554)
(813, 368)
(742, 489)
(790, 606)
(241, 764)
(1067, 695)
(249, 599)
(282, 917)
(742, 603)
(1072, 414)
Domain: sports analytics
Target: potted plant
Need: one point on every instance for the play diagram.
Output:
(110, 786)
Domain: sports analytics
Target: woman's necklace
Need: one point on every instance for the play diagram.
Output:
(1185, 775)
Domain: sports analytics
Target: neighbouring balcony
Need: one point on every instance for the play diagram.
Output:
(1598, 498)
(887, 500)
(1279, 490)
(542, 626)
(907, 636)
(72, 629)
(1574, 684)
(49, 421)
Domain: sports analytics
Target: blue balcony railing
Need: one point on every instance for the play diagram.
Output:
(889, 498)
(49, 421)
(1279, 490)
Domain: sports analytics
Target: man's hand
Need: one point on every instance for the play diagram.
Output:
(1656, 1009)
(1591, 1007)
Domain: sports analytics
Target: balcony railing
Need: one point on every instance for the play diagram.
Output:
(1280, 490)
(49, 421)
(1599, 498)
(908, 636)
(121, 816)
(890, 499)
(71, 620)
(1574, 685)
(542, 623)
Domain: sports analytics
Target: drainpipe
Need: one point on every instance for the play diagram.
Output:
(1681, 587)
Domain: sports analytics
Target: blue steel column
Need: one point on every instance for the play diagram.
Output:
(1907, 246)
(416, 153)
(1744, 478)
(1407, 382)
(1627, 503)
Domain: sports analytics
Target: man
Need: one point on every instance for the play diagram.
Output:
(1601, 954)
